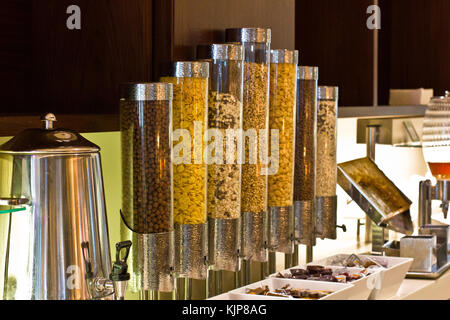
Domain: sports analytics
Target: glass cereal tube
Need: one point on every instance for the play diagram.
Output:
(283, 88)
(190, 111)
(190, 90)
(224, 169)
(256, 42)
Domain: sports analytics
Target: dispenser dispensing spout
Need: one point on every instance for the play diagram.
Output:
(119, 275)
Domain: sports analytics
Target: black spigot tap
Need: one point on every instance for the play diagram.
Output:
(119, 274)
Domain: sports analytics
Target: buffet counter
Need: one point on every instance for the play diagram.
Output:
(417, 289)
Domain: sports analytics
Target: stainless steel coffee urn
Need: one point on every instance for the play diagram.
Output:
(54, 242)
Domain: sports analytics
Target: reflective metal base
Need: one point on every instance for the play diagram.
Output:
(326, 217)
(304, 216)
(254, 236)
(191, 251)
(155, 261)
(224, 238)
(281, 230)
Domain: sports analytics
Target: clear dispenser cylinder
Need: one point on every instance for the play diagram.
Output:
(224, 151)
(256, 42)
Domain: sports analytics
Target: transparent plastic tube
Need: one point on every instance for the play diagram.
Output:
(224, 168)
(145, 124)
(256, 42)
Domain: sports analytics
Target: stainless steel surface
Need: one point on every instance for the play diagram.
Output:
(370, 112)
(49, 141)
(379, 237)
(441, 232)
(307, 73)
(392, 131)
(224, 244)
(44, 255)
(376, 195)
(425, 199)
(155, 261)
(120, 287)
(295, 257)
(309, 254)
(272, 262)
(155, 91)
(436, 273)
(191, 250)
(327, 93)
(48, 121)
(288, 260)
(256, 35)
(421, 249)
(223, 51)
(304, 221)
(391, 248)
(245, 273)
(428, 193)
(284, 56)
(326, 217)
(281, 229)
(372, 132)
(190, 69)
(254, 236)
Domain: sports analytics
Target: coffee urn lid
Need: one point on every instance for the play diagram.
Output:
(48, 140)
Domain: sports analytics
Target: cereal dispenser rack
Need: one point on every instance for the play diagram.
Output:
(226, 63)
(326, 166)
(146, 124)
(305, 161)
(190, 109)
(282, 105)
(256, 42)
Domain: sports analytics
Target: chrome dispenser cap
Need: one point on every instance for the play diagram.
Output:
(284, 56)
(48, 140)
(256, 35)
(327, 93)
(155, 91)
(307, 73)
(190, 69)
(225, 51)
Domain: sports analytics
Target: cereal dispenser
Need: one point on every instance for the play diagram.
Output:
(256, 42)
(190, 116)
(305, 160)
(326, 166)
(436, 151)
(53, 224)
(146, 137)
(224, 167)
(283, 89)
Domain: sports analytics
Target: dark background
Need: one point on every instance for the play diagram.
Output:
(76, 74)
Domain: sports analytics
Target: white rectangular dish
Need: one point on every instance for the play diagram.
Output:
(362, 288)
(389, 279)
(341, 291)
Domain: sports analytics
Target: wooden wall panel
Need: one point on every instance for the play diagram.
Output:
(80, 71)
(415, 36)
(15, 55)
(333, 35)
(200, 21)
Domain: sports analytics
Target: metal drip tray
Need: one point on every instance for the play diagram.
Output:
(377, 196)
